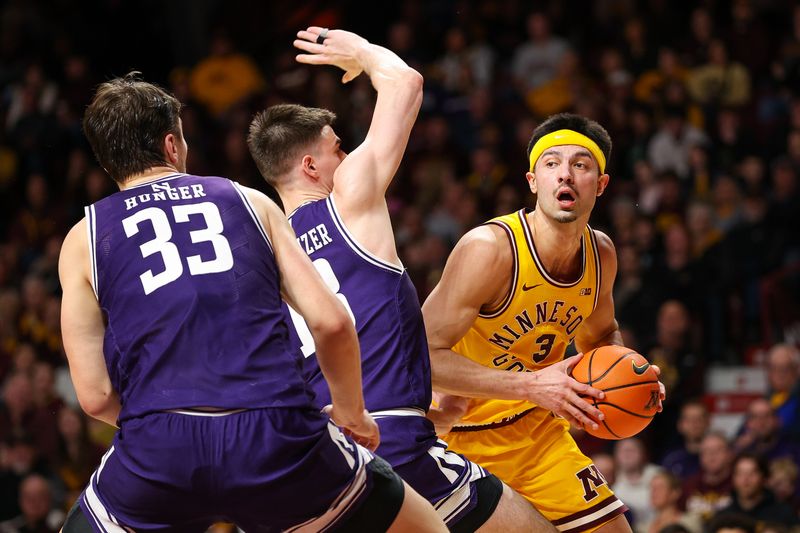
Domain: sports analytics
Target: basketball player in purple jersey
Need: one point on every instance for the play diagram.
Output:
(174, 330)
(338, 210)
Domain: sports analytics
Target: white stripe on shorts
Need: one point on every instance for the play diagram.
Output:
(192, 412)
(450, 506)
(101, 516)
(346, 498)
(400, 411)
(576, 524)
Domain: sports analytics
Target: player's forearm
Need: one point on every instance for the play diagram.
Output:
(453, 373)
(613, 336)
(340, 362)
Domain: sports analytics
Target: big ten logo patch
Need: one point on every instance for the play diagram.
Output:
(591, 478)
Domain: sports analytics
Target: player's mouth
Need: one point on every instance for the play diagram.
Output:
(566, 198)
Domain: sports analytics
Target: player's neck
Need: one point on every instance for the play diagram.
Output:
(151, 174)
(558, 244)
(292, 199)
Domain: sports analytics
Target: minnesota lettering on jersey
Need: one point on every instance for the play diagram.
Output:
(546, 312)
(164, 191)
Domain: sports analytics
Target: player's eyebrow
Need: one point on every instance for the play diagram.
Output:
(582, 153)
(557, 153)
(550, 151)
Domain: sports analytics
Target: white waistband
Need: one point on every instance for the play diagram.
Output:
(193, 412)
(400, 411)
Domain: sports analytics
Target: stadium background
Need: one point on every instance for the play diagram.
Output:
(702, 101)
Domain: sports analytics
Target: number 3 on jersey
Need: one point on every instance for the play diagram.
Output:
(173, 266)
(329, 277)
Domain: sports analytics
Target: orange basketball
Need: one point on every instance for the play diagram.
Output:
(631, 387)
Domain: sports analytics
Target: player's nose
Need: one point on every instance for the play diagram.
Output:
(565, 174)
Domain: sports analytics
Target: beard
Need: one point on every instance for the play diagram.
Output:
(566, 218)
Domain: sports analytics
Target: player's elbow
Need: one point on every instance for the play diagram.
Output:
(404, 83)
(95, 403)
(413, 81)
(333, 325)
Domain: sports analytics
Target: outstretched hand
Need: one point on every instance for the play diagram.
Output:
(339, 48)
(361, 429)
(552, 388)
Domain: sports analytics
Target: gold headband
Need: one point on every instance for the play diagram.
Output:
(561, 137)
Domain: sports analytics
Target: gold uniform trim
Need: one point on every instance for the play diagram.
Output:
(515, 276)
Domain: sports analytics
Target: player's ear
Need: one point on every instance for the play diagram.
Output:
(309, 167)
(171, 142)
(531, 181)
(602, 183)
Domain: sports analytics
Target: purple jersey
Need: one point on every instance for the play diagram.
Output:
(383, 304)
(186, 278)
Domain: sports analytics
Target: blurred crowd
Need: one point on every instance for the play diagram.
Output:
(702, 101)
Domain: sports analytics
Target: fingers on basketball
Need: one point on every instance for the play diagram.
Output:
(631, 390)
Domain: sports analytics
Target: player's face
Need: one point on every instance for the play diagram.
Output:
(329, 155)
(566, 180)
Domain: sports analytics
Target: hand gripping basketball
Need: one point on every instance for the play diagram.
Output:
(633, 392)
(552, 388)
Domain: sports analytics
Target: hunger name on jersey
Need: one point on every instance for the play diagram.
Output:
(164, 191)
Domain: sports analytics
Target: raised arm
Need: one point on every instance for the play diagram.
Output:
(454, 305)
(361, 180)
(83, 330)
(335, 337)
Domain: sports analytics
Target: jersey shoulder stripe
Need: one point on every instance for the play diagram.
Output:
(252, 212)
(515, 271)
(91, 235)
(353, 243)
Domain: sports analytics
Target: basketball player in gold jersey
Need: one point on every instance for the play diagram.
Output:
(514, 293)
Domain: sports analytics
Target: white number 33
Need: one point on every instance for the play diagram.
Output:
(173, 266)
